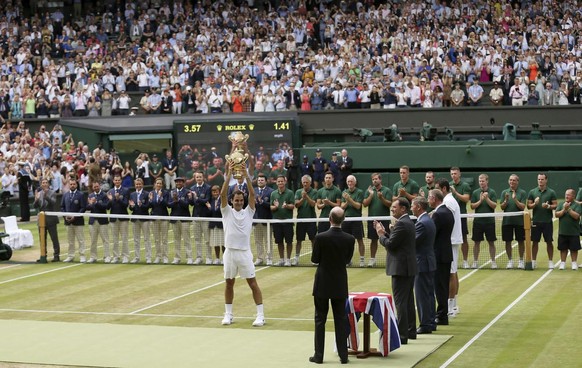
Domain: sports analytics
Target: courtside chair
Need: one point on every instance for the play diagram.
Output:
(18, 238)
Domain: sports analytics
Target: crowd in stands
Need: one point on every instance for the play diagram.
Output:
(221, 56)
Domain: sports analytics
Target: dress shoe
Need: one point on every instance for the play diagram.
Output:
(442, 321)
(344, 361)
(434, 328)
(424, 330)
(315, 360)
(403, 341)
(56, 259)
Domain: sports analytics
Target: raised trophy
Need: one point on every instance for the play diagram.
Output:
(238, 157)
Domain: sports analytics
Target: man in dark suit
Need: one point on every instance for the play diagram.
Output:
(292, 166)
(426, 263)
(74, 201)
(400, 244)
(345, 168)
(292, 98)
(332, 250)
(444, 221)
(45, 199)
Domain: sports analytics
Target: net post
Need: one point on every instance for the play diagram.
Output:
(42, 236)
(269, 243)
(527, 229)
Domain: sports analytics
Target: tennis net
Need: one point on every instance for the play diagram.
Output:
(108, 238)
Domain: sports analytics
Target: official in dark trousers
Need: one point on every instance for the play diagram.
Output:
(332, 250)
(400, 244)
(45, 199)
(444, 221)
(426, 263)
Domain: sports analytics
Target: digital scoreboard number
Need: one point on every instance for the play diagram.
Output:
(199, 137)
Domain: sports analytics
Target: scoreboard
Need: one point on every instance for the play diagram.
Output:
(202, 135)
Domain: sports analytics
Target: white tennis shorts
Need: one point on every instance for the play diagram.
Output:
(238, 262)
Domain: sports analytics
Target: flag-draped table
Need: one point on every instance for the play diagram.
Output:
(381, 307)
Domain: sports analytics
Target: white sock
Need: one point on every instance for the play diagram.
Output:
(451, 304)
(362, 258)
(455, 301)
(228, 308)
(260, 311)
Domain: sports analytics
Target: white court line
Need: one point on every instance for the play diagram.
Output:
(486, 263)
(187, 294)
(507, 309)
(193, 316)
(40, 273)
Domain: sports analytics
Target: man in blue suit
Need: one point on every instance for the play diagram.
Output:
(74, 201)
(400, 245)
(426, 263)
(444, 221)
(332, 250)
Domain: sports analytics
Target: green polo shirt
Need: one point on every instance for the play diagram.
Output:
(358, 196)
(376, 207)
(288, 197)
(569, 226)
(484, 206)
(463, 188)
(333, 194)
(218, 180)
(305, 210)
(411, 187)
(541, 214)
(521, 196)
(155, 168)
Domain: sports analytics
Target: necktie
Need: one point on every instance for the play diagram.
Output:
(73, 196)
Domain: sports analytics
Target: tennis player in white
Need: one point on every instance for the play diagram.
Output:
(238, 259)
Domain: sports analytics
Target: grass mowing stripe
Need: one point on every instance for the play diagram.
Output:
(187, 294)
(484, 329)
